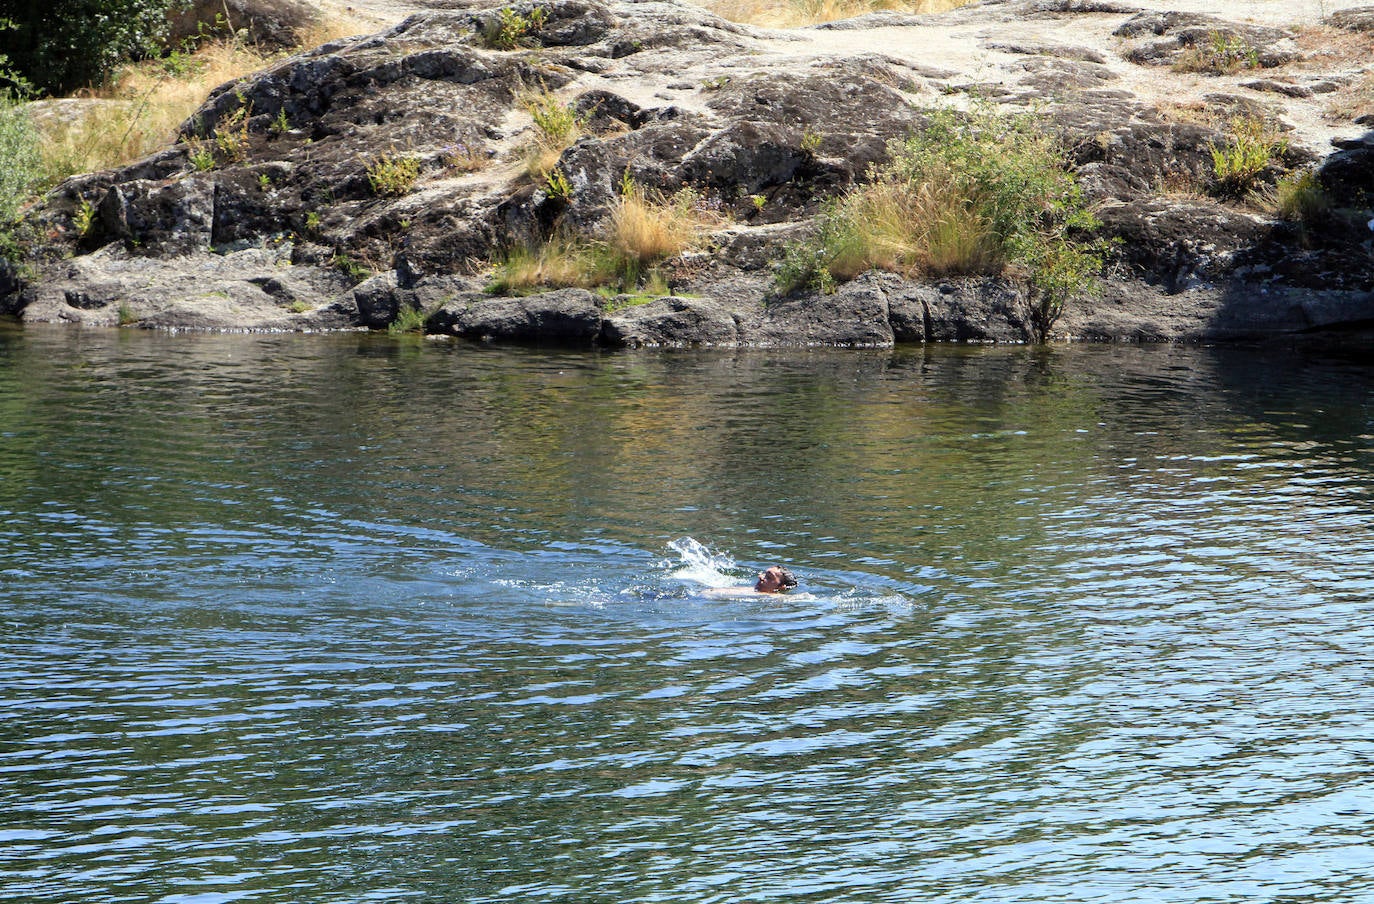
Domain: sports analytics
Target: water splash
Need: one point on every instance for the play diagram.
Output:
(699, 564)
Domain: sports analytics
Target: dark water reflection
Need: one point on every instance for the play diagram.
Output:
(346, 619)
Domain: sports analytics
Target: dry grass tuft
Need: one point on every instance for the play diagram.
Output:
(557, 263)
(647, 226)
(1354, 101)
(140, 111)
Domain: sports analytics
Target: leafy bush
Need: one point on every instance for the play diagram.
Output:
(511, 30)
(20, 159)
(61, 45)
(1250, 149)
(979, 193)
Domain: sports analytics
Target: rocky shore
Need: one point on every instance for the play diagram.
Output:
(269, 214)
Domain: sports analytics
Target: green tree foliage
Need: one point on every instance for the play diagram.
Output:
(61, 45)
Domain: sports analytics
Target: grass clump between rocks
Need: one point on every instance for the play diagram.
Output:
(1300, 198)
(556, 127)
(983, 193)
(1251, 147)
(393, 175)
(1220, 54)
(644, 228)
(511, 30)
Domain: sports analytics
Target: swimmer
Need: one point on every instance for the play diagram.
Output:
(771, 580)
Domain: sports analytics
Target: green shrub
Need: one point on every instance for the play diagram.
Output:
(511, 30)
(61, 45)
(20, 157)
(978, 193)
(1300, 197)
(393, 175)
(408, 320)
(1251, 147)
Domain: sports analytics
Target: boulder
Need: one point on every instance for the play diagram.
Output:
(672, 322)
(271, 25)
(1358, 18)
(561, 317)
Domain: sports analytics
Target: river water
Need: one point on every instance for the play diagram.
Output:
(351, 618)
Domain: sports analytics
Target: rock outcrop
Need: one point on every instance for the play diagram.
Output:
(269, 213)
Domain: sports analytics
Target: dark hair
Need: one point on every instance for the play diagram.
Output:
(788, 582)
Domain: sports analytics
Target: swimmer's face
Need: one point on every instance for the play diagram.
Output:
(770, 581)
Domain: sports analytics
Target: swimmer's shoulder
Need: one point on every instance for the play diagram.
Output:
(731, 593)
(747, 593)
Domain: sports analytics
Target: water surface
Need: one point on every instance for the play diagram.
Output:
(344, 619)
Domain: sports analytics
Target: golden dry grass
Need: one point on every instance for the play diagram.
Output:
(140, 111)
(646, 226)
(930, 228)
(557, 263)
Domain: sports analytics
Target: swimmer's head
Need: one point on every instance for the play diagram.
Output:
(775, 580)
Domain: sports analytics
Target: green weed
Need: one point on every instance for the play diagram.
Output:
(511, 30)
(1251, 147)
(408, 320)
(1222, 54)
(393, 175)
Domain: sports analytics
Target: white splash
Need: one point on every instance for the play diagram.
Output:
(700, 565)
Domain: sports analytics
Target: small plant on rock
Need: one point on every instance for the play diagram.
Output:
(511, 30)
(1251, 147)
(408, 320)
(556, 127)
(84, 217)
(280, 124)
(393, 175)
(200, 156)
(465, 158)
(353, 269)
(1222, 54)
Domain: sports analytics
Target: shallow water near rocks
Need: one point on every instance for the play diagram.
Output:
(345, 618)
